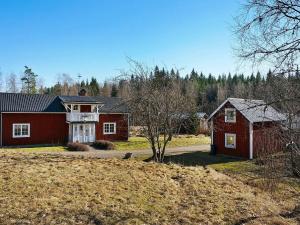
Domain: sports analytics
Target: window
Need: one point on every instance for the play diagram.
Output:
(21, 130)
(75, 108)
(109, 128)
(230, 116)
(230, 140)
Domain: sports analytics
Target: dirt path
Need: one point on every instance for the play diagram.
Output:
(120, 154)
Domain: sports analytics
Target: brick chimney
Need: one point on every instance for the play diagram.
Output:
(82, 92)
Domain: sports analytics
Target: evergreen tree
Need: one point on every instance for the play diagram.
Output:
(114, 91)
(94, 87)
(29, 81)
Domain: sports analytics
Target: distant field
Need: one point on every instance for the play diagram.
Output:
(135, 143)
(49, 189)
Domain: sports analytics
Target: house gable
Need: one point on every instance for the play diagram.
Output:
(221, 129)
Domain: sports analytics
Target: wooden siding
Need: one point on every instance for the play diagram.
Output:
(85, 108)
(266, 138)
(121, 121)
(47, 128)
(44, 128)
(240, 128)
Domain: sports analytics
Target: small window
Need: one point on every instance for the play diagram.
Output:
(21, 130)
(109, 128)
(75, 108)
(230, 115)
(230, 140)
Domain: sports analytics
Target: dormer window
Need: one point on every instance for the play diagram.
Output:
(230, 115)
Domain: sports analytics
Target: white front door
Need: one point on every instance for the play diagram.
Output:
(83, 133)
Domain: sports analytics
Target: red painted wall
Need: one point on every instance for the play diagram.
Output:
(240, 128)
(266, 138)
(47, 128)
(85, 108)
(44, 128)
(121, 121)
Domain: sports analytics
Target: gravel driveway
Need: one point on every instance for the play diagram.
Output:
(120, 154)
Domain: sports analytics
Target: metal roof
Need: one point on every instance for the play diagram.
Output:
(253, 110)
(112, 105)
(79, 99)
(11, 102)
(18, 102)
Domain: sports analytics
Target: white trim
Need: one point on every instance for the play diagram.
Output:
(77, 110)
(109, 123)
(250, 140)
(21, 124)
(229, 146)
(226, 119)
(211, 115)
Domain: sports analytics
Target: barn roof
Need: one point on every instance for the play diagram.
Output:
(253, 110)
(18, 102)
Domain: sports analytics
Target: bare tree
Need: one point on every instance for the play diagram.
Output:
(158, 102)
(268, 33)
(11, 83)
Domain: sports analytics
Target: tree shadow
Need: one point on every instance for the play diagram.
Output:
(199, 159)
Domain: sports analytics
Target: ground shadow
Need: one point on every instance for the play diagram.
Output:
(199, 159)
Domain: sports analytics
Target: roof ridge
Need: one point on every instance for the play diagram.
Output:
(245, 99)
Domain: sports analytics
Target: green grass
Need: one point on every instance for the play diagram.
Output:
(137, 143)
(36, 149)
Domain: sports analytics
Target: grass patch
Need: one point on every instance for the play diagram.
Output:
(51, 189)
(36, 149)
(137, 143)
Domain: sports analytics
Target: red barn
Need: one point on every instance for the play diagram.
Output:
(27, 119)
(245, 128)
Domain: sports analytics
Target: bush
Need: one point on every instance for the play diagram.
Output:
(103, 145)
(78, 147)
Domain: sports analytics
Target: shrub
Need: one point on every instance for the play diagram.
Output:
(103, 145)
(78, 147)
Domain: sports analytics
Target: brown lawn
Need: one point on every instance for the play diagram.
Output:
(45, 189)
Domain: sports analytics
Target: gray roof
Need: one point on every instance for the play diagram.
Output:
(79, 99)
(253, 110)
(201, 114)
(112, 104)
(11, 102)
(18, 102)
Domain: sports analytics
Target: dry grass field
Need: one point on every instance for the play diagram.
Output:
(45, 189)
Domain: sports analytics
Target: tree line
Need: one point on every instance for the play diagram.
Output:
(210, 90)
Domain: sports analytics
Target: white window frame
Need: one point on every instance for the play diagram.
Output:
(21, 124)
(226, 119)
(78, 110)
(225, 141)
(115, 128)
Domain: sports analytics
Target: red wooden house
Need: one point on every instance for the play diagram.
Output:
(27, 119)
(245, 128)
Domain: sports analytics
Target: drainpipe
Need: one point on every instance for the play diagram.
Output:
(250, 140)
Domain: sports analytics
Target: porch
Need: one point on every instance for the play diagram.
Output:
(82, 132)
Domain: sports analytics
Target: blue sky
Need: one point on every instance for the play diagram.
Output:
(94, 37)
